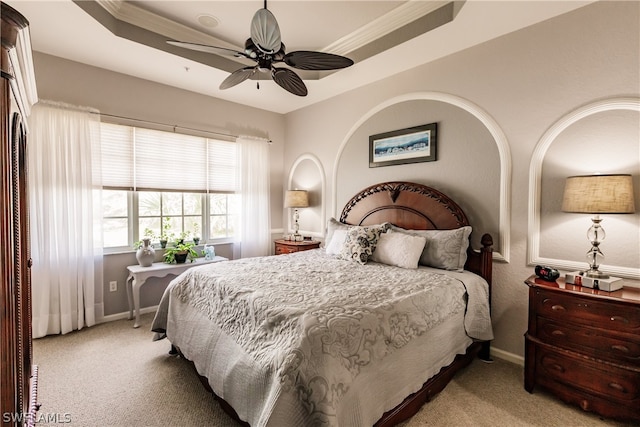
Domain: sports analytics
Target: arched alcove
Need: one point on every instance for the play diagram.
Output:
(601, 137)
(307, 173)
(473, 166)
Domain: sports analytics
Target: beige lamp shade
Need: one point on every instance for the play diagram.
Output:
(596, 194)
(296, 199)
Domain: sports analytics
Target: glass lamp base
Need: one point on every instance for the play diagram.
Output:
(596, 274)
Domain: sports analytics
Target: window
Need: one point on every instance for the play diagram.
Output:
(157, 183)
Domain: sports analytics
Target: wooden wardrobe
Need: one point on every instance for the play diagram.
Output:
(18, 377)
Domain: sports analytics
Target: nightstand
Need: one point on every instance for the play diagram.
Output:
(290, 246)
(583, 345)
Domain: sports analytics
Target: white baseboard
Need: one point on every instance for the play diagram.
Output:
(505, 355)
(125, 314)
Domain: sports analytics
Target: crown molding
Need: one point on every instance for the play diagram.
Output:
(397, 18)
(134, 15)
(385, 24)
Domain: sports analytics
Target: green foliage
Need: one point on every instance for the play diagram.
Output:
(180, 248)
(148, 233)
(183, 235)
(165, 233)
(196, 229)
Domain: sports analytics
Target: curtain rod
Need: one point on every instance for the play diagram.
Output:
(176, 126)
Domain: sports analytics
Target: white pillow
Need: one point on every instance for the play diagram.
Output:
(446, 249)
(334, 247)
(333, 225)
(399, 249)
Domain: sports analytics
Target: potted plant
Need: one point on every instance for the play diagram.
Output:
(183, 236)
(165, 233)
(196, 234)
(179, 253)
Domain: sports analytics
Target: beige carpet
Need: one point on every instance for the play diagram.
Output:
(114, 375)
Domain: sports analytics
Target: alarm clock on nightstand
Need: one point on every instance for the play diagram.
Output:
(547, 273)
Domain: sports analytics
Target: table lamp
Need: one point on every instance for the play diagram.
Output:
(296, 199)
(598, 194)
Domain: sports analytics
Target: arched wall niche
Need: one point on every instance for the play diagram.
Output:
(599, 138)
(473, 163)
(307, 173)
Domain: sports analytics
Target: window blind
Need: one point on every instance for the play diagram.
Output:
(169, 161)
(145, 159)
(117, 156)
(221, 160)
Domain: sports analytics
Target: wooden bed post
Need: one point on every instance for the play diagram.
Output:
(486, 266)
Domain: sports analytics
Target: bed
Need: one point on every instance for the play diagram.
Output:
(361, 332)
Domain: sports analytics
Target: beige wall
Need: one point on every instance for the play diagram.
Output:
(525, 81)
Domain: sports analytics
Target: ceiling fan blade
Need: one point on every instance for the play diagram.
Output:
(289, 81)
(208, 49)
(265, 31)
(237, 77)
(308, 60)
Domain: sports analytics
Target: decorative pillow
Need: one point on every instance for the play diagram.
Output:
(360, 243)
(446, 249)
(333, 225)
(399, 249)
(334, 247)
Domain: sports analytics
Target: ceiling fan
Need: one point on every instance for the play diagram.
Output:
(266, 48)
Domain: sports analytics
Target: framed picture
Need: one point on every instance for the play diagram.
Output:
(411, 145)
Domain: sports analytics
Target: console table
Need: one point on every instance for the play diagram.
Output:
(139, 274)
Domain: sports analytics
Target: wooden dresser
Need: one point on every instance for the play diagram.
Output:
(18, 378)
(583, 345)
(289, 246)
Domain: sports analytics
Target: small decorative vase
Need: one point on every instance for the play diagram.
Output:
(196, 240)
(146, 254)
(163, 243)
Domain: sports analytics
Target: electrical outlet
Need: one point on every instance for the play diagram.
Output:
(113, 286)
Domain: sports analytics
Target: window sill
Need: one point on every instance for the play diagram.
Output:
(122, 251)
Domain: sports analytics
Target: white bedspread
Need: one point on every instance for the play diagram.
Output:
(310, 324)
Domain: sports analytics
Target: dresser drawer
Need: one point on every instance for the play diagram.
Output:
(598, 379)
(611, 315)
(285, 249)
(288, 246)
(594, 342)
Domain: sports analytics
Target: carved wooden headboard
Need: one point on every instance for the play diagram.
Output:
(416, 207)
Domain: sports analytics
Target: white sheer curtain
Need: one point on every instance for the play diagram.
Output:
(66, 246)
(255, 223)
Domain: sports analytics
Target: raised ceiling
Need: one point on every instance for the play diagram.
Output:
(383, 37)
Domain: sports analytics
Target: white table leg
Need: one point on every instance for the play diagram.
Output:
(129, 286)
(135, 285)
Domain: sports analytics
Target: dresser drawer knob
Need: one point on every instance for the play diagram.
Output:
(558, 307)
(558, 368)
(617, 387)
(558, 333)
(620, 348)
(619, 319)
(585, 405)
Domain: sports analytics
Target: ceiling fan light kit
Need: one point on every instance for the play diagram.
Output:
(265, 47)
